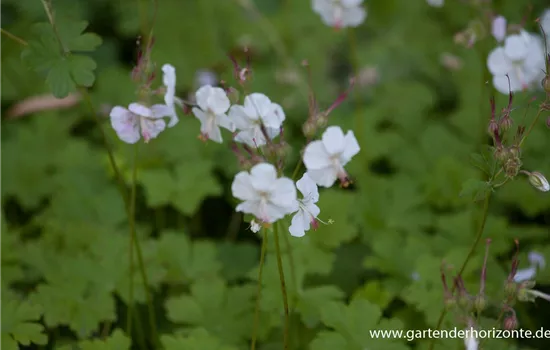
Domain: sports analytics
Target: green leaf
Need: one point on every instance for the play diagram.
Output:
(54, 53)
(116, 341)
(19, 323)
(197, 339)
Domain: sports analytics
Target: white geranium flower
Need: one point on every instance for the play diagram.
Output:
(257, 111)
(537, 261)
(129, 123)
(436, 3)
(169, 80)
(213, 103)
(539, 181)
(340, 13)
(264, 195)
(470, 342)
(308, 210)
(522, 58)
(325, 159)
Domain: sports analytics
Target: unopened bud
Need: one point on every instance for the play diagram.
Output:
(450, 302)
(464, 302)
(539, 181)
(546, 84)
(282, 150)
(501, 154)
(512, 167)
(506, 122)
(515, 151)
(493, 127)
(233, 94)
(321, 120)
(510, 289)
(480, 303)
(309, 129)
(510, 323)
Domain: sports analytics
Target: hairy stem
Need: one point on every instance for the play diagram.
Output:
(479, 234)
(283, 286)
(14, 37)
(132, 226)
(354, 59)
(259, 292)
(291, 262)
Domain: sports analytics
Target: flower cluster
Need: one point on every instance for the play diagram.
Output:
(518, 286)
(518, 62)
(340, 13)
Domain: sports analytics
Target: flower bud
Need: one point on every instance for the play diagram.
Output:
(546, 84)
(309, 129)
(510, 289)
(450, 302)
(493, 127)
(480, 303)
(512, 167)
(321, 120)
(506, 122)
(539, 181)
(464, 302)
(233, 94)
(510, 322)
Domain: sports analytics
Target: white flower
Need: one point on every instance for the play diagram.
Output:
(308, 211)
(205, 77)
(257, 111)
(537, 262)
(254, 226)
(325, 159)
(436, 3)
(213, 103)
(539, 181)
(470, 342)
(522, 58)
(169, 80)
(340, 13)
(264, 195)
(498, 28)
(129, 123)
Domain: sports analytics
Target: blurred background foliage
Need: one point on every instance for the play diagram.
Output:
(65, 269)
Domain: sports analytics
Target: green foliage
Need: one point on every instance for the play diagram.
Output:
(55, 52)
(375, 261)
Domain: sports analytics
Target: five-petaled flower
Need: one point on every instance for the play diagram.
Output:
(256, 119)
(264, 195)
(169, 81)
(306, 215)
(521, 59)
(138, 118)
(537, 261)
(340, 13)
(213, 103)
(325, 159)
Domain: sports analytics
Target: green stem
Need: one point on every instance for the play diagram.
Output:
(132, 225)
(297, 168)
(283, 287)
(468, 257)
(292, 266)
(13, 37)
(354, 59)
(259, 292)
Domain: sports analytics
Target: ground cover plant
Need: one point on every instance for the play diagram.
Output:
(275, 174)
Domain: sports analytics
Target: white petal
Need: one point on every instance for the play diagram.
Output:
(316, 156)
(260, 103)
(333, 140)
(525, 274)
(151, 128)
(169, 80)
(498, 28)
(324, 177)
(501, 84)
(271, 212)
(537, 259)
(240, 118)
(223, 121)
(254, 226)
(202, 95)
(312, 209)
(279, 112)
(353, 17)
(200, 115)
(351, 148)
(498, 63)
(141, 110)
(214, 133)
(161, 111)
(125, 124)
(242, 187)
(250, 207)
(251, 137)
(297, 226)
(308, 188)
(218, 102)
(516, 47)
(351, 3)
(435, 3)
(263, 177)
(283, 194)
